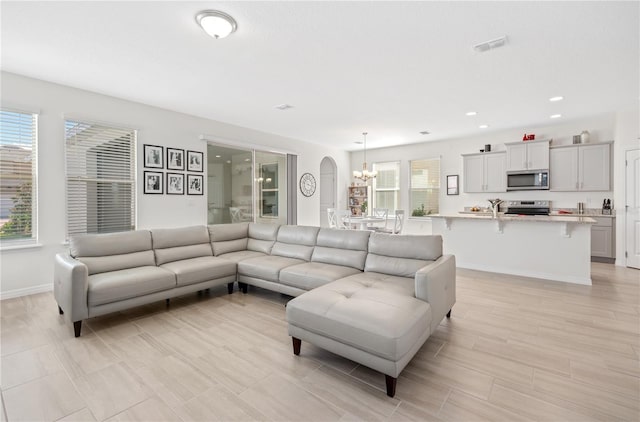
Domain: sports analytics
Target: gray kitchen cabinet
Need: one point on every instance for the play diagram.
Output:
(603, 238)
(527, 155)
(584, 167)
(484, 172)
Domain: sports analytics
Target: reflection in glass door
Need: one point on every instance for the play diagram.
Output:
(271, 187)
(229, 185)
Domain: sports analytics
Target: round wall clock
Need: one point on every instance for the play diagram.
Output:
(307, 184)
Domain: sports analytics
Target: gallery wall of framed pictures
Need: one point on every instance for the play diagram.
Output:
(156, 181)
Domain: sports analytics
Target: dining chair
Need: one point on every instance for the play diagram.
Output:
(379, 213)
(236, 214)
(398, 224)
(331, 215)
(343, 219)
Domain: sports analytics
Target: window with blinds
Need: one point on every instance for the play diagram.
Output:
(424, 187)
(101, 189)
(18, 184)
(386, 186)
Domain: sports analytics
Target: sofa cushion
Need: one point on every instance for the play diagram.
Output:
(342, 247)
(119, 285)
(266, 267)
(377, 321)
(295, 242)
(182, 243)
(197, 270)
(113, 251)
(241, 255)
(227, 238)
(262, 237)
(310, 275)
(401, 255)
(389, 283)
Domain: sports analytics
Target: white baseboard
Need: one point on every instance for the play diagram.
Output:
(26, 291)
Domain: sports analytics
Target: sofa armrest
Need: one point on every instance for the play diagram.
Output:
(436, 283)
(70, 286)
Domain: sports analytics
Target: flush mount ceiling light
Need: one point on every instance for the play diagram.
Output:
(483, 126)
(558, 98)
(491, 44)
(555, 116)
(215, 23)
(471, 113)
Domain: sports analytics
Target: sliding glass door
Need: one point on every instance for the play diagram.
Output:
(246, 185)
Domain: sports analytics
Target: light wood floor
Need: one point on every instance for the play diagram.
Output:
(515, 349)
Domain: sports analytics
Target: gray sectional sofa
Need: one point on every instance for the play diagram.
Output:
(371, 297)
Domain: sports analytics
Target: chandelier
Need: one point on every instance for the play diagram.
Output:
(365, 174)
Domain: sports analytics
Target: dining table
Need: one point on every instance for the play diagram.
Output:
(363, 222)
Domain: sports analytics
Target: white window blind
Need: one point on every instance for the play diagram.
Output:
(101, 189)
(386, 186)
(424, 189)
(18, 184)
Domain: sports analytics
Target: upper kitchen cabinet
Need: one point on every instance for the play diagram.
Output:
(484, 172)
(583, 167)
(528, 155)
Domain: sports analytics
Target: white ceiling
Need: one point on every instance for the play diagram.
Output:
(390, 68)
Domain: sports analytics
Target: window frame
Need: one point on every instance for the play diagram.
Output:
(32, 240)
(411, 189)
(133, 162)
(397, 189)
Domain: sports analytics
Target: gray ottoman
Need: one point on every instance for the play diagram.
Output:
(373, 323)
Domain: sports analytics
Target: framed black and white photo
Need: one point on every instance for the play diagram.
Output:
(153, 156)
(194, 184)
(194, 161)
(452, 184)
(175, 159)
(153, 182)
(175, 184)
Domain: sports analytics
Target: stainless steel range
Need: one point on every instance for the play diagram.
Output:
(538, 207)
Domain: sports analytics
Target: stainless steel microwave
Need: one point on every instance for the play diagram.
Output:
(528, 180)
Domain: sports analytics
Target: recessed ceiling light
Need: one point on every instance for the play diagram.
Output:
(471, 113)
(358, 142)
(215, 23)
(228, 161)
(247, 159)
(218, 156)
(491, 44)
(284, 106)
(558, 98)
(555, 116)
(424, 132)
(483, 126)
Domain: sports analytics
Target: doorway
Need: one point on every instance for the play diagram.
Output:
(632, 202)
(328, 188)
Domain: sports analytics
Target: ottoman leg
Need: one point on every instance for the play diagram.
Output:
(77, 327)
(230, 288)
(296, 345)
(391, 385)
(242, 287)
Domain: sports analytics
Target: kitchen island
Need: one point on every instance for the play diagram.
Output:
(539, 246)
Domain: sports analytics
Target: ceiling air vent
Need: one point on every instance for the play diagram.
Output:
(490, 45)
(284, 106)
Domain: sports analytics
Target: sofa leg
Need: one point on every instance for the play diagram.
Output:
(243, 287)
(391, 385)
(230, 288)
(296, 345)
(60, 311)
(449, 314)
(77, 326)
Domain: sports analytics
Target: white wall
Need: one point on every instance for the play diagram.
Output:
(28, 270)
(620, 127)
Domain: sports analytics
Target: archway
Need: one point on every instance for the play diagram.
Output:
(328, 188)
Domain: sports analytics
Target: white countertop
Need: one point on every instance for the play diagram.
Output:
(570, 218)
